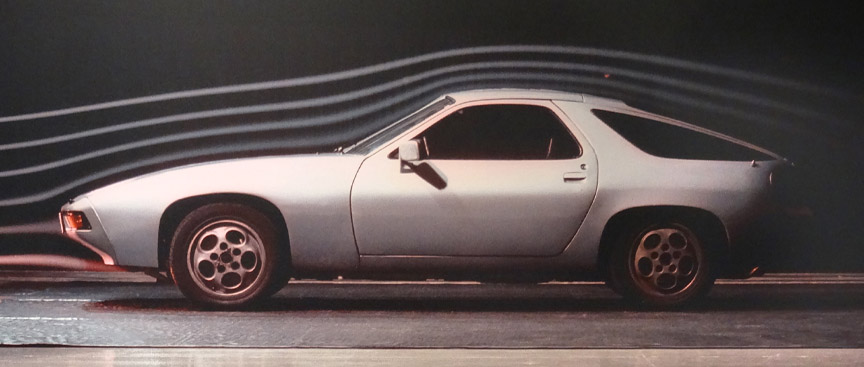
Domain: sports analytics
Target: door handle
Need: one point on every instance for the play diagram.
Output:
(574, 176)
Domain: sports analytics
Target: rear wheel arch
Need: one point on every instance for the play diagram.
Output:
(178, 210)
(705, 223)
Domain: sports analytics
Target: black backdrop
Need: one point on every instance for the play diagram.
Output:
(791, 80)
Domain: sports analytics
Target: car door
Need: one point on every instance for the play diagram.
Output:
(495, 178)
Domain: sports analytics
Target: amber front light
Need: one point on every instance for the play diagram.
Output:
(75, 221)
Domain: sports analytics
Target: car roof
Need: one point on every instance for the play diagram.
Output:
(602, 102)
(514, 93)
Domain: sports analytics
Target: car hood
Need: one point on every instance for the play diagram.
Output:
(230, 173)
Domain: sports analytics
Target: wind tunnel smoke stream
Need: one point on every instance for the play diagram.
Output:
(646, 77)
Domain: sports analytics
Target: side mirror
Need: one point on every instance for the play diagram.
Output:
(409, 151)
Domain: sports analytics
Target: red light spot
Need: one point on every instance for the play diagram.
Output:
(606, 76)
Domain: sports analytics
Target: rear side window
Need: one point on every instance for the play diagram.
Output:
(499, 132)
(669, 141)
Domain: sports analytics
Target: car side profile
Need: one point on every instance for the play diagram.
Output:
(500, 184)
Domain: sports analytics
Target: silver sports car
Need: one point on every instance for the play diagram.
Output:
(501, 184)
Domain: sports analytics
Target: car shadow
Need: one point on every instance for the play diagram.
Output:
(508, 298)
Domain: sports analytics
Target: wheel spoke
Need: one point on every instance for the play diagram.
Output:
(199, 256)
(216, 283)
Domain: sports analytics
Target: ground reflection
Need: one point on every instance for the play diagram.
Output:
(509, 298)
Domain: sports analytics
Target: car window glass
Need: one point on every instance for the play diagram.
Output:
(669, 141)
(499, 132)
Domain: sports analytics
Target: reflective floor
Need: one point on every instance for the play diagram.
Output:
(142, 357)
(779, 311)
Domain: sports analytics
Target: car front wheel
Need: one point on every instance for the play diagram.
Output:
(225, 255)
(662, 264)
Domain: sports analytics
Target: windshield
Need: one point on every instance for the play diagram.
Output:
(384, 135)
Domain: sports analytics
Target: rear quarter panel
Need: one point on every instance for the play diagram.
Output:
(734, 191)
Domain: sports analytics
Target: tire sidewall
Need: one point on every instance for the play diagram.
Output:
(203, 216)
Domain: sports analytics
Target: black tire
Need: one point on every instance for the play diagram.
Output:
(227, 255)
(662, 264)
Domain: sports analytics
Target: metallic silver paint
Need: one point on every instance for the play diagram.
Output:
(311, 191)
(317, 193)
(629, 178)
(488, 208)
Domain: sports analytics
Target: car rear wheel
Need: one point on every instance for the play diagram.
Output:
(662, 264)
(225, 255)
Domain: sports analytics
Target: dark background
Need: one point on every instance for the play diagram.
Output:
(57, 55)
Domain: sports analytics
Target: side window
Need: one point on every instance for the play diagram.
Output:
(499, 132)
(668, 141)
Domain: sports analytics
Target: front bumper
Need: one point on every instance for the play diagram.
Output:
(94, 238)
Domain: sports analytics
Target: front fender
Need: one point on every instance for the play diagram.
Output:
(312, 192)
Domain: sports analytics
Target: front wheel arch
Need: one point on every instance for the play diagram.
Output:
(174, 214)
(227, 255)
